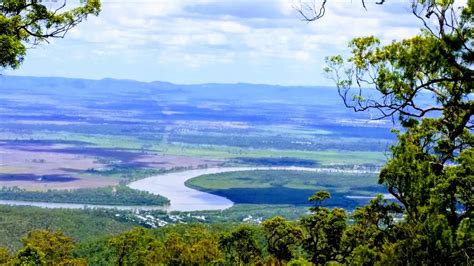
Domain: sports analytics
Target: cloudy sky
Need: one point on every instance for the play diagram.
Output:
(220, 41)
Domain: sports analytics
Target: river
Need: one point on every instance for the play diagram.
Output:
(171, 186)
(182, 198)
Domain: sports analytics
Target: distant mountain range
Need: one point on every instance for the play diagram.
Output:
(230, 92)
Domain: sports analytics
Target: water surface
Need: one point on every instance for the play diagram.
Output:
(172, 186)
(182, 198)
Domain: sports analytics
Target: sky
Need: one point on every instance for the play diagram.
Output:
(215, 41)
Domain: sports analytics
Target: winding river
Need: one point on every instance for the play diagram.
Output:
(182, 198)
(171, 186)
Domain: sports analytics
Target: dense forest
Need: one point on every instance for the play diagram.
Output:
(119, 195)
(323, 236)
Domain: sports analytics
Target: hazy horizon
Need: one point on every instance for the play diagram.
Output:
(328, 86)
(213, 41)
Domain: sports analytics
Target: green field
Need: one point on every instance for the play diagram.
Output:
(287, 187)
(326, 158)
(220, 152)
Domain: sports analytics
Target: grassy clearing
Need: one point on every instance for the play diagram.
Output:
(337, 182)
(326, 158)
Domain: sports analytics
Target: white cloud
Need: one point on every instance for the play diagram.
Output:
(230, 26)
(141, 9)
(162, 32)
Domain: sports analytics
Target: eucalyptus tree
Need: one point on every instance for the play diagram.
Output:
(240, 246)
(26, 23)
(323, 231)
(425, 84)
(282, 238)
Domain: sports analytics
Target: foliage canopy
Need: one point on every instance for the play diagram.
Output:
(426, 83)
(30, 22)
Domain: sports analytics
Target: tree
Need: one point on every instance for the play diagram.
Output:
(30, 256)
(204, 247)
(426, 84)
(176, 250)
(282, 237)
(30, 22)
(372, 227)
(240, 246)
(196, 246)
(130, 247)
(5, 256)
(324, 229)
(154, 254)
(55, 247)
